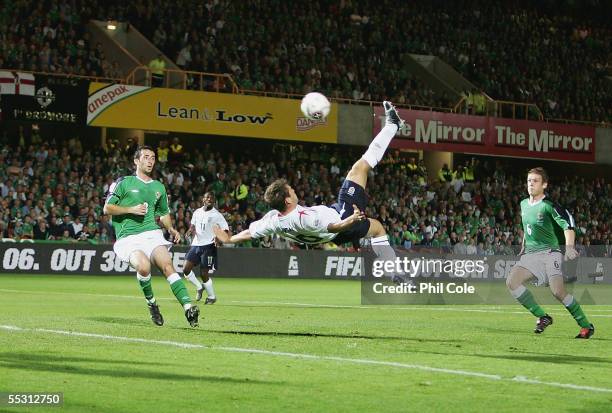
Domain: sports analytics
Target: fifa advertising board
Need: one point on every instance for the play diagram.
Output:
(197, 112)
(435, 131)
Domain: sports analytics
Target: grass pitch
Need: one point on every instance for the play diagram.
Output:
(290, 345)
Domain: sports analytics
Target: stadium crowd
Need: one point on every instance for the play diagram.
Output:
(550, 53)
(56, 191)
(51, 36)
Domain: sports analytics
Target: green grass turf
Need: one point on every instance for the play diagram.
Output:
(120, 376)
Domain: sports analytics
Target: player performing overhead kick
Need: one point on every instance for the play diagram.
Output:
(343, 222)
(546, 227)
(134, 202)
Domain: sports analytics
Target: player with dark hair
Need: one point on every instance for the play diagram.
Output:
(203, 251)
(547, 226)
(134, 202)
(343, 222)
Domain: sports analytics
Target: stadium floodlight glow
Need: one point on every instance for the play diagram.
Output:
(110, 25)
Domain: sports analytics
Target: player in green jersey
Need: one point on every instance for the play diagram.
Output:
(547, 227)
(134, 202)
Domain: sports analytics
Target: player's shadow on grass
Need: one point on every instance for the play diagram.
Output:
(528, 332)
(530, 356)
(142, 322)
(327, 335)
(549, 358)
(57, 364)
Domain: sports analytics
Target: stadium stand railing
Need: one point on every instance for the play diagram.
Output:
(187, 79)
(225, 83)
(502, 108)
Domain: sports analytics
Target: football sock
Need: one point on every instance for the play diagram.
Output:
(384, 251)
(146, 287)
(194, 280)
(524, 296)
(179, 290)
(378, 146)
(576, 311)
(210, 291)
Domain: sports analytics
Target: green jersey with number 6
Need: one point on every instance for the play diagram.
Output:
(130, 191)
(544, 223)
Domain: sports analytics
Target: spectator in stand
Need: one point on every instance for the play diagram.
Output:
(176, 151)
(157, 67)
(445, 175)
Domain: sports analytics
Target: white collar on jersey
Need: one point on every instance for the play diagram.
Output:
(143, 181)
(295, 210)
(536, 202)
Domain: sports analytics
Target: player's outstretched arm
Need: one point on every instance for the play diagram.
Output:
(347, 222)
(192, 229)
(570, 249)
(167, 223)
(226, 237)
(112, 209)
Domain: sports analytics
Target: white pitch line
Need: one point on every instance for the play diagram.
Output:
(103, 336)
(131, 297)
(496, 377)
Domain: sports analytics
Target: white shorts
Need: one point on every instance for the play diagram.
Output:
(542, 264)
(145, 242)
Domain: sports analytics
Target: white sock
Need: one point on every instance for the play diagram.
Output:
(186, 306)
(210, 291)
(142, 278)
(518, 292)
(379, 145)
(384, 251)
(194, 280)
(174, 277)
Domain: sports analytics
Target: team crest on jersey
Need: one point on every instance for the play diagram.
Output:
(157, 195)
(351, 191)
(540, 218)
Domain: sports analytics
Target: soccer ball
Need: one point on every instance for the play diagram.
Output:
(315, 106)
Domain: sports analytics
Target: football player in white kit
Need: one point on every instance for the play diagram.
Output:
(203, 251)
(343, 222)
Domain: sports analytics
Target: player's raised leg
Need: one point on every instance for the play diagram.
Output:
(375, 152)
(141, 263)
(359, 175)
(161, 257)
(517, 277)
(557, 286)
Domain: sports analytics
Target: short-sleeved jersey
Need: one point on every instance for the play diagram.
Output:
(204, 222)
(303, 225)
(130, 191)
(544, 223)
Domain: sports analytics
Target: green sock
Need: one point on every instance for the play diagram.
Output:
(527, 300)
(146, 287)
(576, 312)
(179, 290)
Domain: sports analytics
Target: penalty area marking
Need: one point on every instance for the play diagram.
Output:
(303, 356)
